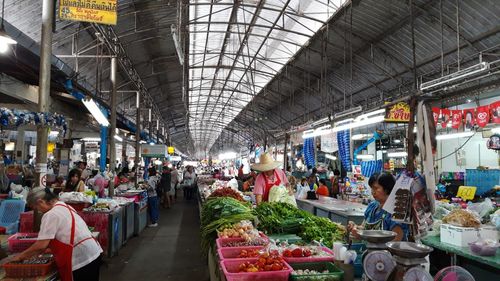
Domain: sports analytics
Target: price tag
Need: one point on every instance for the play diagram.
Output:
(466, 192)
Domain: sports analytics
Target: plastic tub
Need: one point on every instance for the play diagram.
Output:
(312, 258)
(230, 269)
(17, 245)
(334, 273)
(220, 242)
(483, 249)
(16, 270)
(234, 252)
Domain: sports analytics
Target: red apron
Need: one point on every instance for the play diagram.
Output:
(267, 188)
(63, 253)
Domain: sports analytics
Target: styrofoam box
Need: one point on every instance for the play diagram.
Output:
(462, 236)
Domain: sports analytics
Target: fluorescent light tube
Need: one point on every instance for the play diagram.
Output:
(461, 74)
(398, 154)
(54, 134)
(118, 138)
(397, 141)
(365, 156)
(357, 124)
(361, 137)
(331, 157)
(317, 132)
(142, 142)
(455, 136)
(94, 109)
(91, 139)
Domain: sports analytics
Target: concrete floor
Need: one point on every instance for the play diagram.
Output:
(170, 251)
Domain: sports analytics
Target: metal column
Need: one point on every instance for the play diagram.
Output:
(112, 121)
(43, 96)
(137, 138)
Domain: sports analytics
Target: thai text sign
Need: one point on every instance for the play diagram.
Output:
(398, 113)
(98, 11)
(156, 150)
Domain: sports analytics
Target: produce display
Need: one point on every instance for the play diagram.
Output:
(42, 259)
(462, 218)
(219, 213)
(265, 262)
(308, 272)
(249, 253)
(285, 218)
(226, 192)
(243, 229)
(253, 242)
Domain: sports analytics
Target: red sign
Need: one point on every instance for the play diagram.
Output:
(435, 113)
(495, 112)
(470, 118)
(483, 116)
(445, 117)
(456, 119)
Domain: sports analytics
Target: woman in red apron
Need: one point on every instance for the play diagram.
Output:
(76, 253)
(270, 175)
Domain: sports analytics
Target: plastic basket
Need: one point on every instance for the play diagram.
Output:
(17, 245)
(16, 270)
(230, 269)
(334, 273)
(312, 258)
(221, 242)
(10, 211)
(234, 252)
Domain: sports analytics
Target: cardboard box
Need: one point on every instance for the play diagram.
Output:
(462, 236)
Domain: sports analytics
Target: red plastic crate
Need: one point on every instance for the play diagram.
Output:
(311, 258)
(221, 241)
(230, 269)
(17, 270)
(17, 245)
(234, 252)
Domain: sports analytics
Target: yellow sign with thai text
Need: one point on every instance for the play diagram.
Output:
(98, 11)
(398, 113)
(466, 192)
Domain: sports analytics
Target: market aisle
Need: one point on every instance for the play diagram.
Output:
(169, 252)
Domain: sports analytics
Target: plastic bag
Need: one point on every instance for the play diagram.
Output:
(462, 218)
(483, 208)
(495, 219)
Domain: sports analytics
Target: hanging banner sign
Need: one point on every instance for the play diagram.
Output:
(155, 150)
(495, 112)
(398, 113)
(98, 11)
(445, 117)
(483, 116)
(470, 119)
(456, 119)
(436, 111)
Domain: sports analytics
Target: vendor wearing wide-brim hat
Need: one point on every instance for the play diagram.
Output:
(269, 175)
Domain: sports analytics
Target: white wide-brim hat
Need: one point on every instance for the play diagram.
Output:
(266, 163)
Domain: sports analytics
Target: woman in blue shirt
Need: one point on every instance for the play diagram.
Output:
(375, 217)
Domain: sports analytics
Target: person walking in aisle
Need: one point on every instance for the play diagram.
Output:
(166, 186)
(189, 180)
(153, 204)
(174, 181)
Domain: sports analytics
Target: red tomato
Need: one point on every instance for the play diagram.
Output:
(297, 253)
(277, 266)
(307, 253)
(287, 253)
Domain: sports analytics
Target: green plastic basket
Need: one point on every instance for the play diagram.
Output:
(334, 273)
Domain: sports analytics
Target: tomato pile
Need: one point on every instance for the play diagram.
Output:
(265, 262)
(249, 253)
(297, 253)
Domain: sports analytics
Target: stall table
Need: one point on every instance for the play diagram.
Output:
(338, 211)
(478, 266)
(110, 228)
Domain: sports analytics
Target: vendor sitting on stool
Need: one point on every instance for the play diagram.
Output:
(375, 217)
(270, 175)
(76, 252)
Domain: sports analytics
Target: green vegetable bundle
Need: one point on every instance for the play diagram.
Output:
(218, 213)
(285, 218)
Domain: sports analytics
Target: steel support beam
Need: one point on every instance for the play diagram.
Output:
(112, 121)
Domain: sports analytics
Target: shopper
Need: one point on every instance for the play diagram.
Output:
(247, 185)
(334, 179)
(76, 252)
(322, 189)
(166, 185)
(302, 189)
(74, 182)
(270, 175)
(240, 172)
(174, 181)
(189, 180)
(377, 218)
(153, 197)
(82, 166)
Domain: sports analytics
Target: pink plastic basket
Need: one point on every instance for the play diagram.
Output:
(311, 258)
(17, 245)
(220, 242)
(234, 252)
(230, 269)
